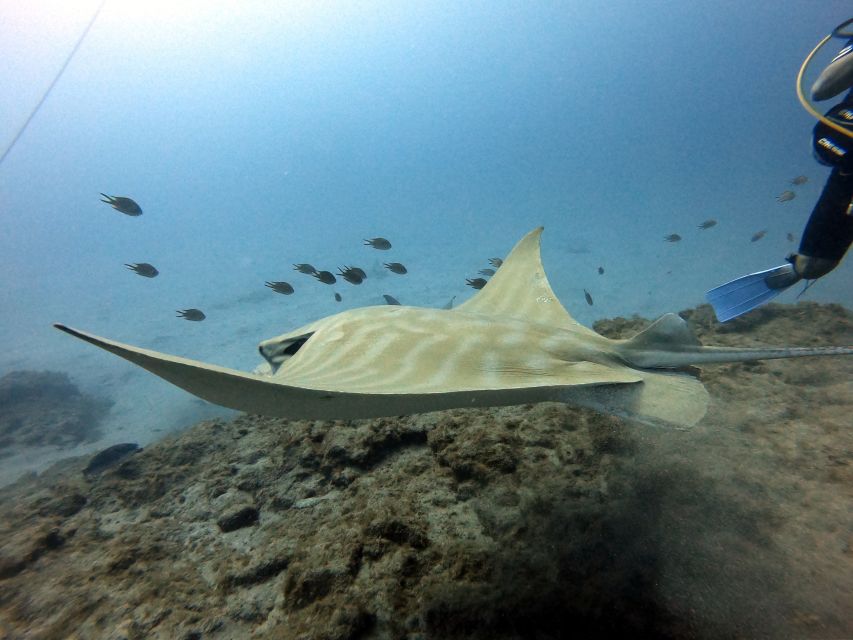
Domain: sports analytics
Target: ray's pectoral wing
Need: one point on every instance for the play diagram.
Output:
(266, 395)
(220, 385)
(663, 399)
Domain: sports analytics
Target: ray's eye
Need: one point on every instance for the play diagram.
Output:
(278, 353)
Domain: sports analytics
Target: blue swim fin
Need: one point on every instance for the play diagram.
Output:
(748, 292)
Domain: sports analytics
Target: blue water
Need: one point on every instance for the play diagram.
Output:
(258, 137)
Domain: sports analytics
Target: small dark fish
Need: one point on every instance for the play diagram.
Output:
(304, 267)
(758, 235)
(710, 222)
(790, 237)
(109, 457)
(194, 315)
(449, 305)
(799, 180)
(338, 297)
(280, 287)
(326, 277)
(600, 271)
(672, 237)
(378, 243)
(144, 269)
(122, 204)
(486, 272)
(477, 283)
(390, 299)
(359, 272)
(395, 267)
(588, 297)
(786, 196)
(496, 262)
(350, 275)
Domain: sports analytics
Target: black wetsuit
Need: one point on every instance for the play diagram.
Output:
(829, 231)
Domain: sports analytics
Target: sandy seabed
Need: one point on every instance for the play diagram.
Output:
(543, 521)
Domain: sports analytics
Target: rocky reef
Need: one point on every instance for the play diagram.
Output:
(543, 521)
(46, 409)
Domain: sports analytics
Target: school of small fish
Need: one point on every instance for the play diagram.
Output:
(351, 274)
(788, 195)
(785, 196)
(479, 283)
(356, 275)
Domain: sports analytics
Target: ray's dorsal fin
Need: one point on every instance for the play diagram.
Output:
(667, 342)
(520, 289)
(670, 331)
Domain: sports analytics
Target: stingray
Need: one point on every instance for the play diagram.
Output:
(511, 343)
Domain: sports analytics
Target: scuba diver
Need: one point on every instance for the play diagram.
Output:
(829, 230)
